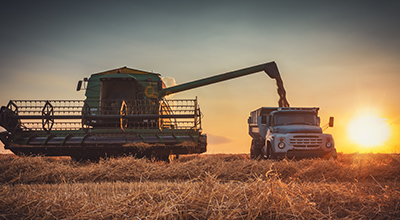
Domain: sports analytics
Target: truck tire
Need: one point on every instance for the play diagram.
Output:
(334, 154)
(255, 151)
(270, 154)
(253, 154)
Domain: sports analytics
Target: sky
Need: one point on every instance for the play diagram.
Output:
(341, 56)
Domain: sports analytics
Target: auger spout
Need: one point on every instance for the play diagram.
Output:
(270, 68)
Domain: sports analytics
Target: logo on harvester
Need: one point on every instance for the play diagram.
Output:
(150, 92)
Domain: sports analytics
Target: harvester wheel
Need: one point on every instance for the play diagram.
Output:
(85, 158)
(76, 158)
(157, 157)
(165, 158)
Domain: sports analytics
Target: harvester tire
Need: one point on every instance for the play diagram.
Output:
(157, 157)
(85, 158)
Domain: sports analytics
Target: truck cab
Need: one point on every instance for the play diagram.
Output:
(289, 132)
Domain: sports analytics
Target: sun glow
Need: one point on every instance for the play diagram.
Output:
(368, 130)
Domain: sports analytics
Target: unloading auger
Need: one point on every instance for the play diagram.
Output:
(125, 113)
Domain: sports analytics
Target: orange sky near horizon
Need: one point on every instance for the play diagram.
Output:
(340, 56)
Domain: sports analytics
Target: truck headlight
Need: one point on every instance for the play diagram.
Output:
(281, 145)
(328, 144)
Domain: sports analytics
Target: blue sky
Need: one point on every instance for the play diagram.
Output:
(339, 55)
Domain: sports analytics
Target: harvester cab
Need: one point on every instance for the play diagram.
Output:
(125, 113)
(124, 91)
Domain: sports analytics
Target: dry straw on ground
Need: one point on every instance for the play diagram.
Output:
(201, 187)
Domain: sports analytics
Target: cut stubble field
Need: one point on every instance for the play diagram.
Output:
(201, 187)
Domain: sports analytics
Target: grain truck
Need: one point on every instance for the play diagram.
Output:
(291, 132)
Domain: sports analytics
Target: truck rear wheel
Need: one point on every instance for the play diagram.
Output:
(255, 150)
(254, 154)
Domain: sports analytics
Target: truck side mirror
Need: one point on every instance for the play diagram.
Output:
(79, 86)
(331, 121)
(318, 121)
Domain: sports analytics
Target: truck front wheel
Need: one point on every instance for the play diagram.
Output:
(270, 154)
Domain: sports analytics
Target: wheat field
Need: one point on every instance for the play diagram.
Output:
(355, 186)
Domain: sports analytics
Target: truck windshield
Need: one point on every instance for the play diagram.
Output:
(295, 118)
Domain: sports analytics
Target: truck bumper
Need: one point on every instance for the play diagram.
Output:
(307, 154)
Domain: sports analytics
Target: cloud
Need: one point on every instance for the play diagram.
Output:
(215, 139)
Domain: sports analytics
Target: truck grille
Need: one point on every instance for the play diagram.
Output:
(305, 141)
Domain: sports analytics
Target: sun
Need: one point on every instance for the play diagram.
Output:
(368, 130)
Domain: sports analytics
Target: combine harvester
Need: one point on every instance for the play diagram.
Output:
(125, 113)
